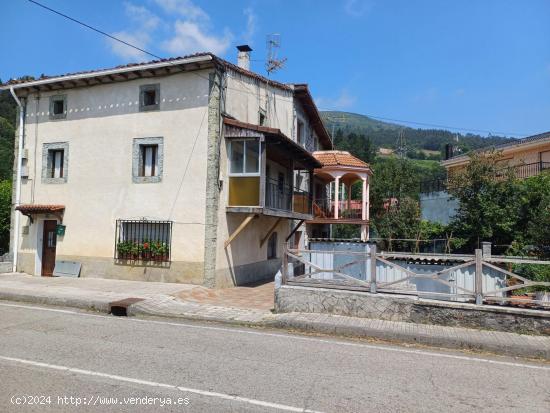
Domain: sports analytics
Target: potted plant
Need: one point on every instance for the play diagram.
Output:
(124, 249)
(146, 250)
(159, 251)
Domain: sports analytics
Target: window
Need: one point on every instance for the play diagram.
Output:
(58, 107)
(272, 246)
(262, 117)
(149, 97)
(55, 157)
(56, 166)
(300, 133)
(143, 240)
(147, 162)
(149, 159)
(244, 157)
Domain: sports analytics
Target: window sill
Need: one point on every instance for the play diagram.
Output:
(149, 108)
(146, 179)
(54, 180)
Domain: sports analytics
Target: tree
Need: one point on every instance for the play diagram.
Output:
(7, 134)
(490, 202)
(5, 212)
(399, 221)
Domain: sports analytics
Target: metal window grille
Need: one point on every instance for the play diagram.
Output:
(143, 240)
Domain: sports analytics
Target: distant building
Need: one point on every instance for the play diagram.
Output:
(528, 157)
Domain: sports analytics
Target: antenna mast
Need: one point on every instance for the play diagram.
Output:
(401, 145)
(273, 62)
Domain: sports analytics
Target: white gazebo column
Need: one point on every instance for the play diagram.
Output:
(364, 210)
(349, 197)
(336, 196)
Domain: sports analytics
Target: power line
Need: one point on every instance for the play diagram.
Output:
(252, 93)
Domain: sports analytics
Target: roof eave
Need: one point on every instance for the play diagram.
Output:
(36, 84)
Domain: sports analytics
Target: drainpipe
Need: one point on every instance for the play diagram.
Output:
(18, 179)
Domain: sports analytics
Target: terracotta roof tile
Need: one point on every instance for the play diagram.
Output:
(339, 158)
(39, 209)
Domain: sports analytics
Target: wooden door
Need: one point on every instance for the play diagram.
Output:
(48, 248)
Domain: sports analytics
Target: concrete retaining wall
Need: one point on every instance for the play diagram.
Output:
(410, 309)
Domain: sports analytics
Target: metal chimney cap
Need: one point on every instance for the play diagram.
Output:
(244, 48)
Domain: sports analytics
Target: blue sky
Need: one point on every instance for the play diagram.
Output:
(476, 64)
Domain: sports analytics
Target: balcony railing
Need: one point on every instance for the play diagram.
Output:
(520, 172)
(279, 195)
(324, 208)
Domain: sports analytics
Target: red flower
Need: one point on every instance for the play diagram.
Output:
(145, 245)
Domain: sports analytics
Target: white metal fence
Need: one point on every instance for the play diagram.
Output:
(455, 277)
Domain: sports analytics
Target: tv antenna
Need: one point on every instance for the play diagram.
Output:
(273, 62)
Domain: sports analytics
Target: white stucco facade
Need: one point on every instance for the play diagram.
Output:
(98, 133)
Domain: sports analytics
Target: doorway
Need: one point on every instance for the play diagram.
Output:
(49, 242)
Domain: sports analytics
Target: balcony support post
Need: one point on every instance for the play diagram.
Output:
(364, 201)
(336, 196)
(263, 164)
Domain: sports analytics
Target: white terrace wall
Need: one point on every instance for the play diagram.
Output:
(100, 126)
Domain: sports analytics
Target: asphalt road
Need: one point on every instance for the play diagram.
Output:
(109, 364)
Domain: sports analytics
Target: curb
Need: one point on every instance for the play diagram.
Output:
(435, 339)
(101, 306)
(337, 326)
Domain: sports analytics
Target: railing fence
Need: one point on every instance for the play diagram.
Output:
(468, 278)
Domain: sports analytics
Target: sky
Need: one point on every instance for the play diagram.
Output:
(473, 64)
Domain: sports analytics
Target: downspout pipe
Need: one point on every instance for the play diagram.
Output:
(16, 231)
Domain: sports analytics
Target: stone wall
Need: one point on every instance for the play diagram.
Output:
(410, 309)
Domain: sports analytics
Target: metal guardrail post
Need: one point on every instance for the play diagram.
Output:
(478, 283)
(373, 268)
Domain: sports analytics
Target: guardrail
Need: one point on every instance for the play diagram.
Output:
(452, 277)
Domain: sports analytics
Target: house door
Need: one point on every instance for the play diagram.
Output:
(48, 248)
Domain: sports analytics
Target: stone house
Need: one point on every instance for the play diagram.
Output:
(188, 169)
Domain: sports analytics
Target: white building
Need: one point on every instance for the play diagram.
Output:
(182, 170)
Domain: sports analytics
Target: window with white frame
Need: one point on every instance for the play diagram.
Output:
(244, 157)
(149, 160)
(56, 163)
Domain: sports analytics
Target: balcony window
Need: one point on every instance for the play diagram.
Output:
(244, 158)
(244, 172)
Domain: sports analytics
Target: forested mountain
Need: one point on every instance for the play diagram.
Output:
(420, 143)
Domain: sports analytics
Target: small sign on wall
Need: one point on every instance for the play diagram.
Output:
(60, 230)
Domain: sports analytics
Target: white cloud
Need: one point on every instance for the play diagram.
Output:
(251, 21)
(357, 8)
(191, 37)
(186, 28)
(429, 95)
(343, 101)
(185, 8)
(146, 23)
(142, 16)
(140, 40)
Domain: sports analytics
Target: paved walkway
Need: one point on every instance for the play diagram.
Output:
(226, 306)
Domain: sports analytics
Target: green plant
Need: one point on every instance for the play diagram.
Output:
(124, 248)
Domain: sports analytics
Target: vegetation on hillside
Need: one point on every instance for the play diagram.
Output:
(420, 143)
(7, 135)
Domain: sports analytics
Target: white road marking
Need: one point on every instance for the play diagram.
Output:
(292, 337)
(149, 383)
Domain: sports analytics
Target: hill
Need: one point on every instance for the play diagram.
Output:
(420, 143)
